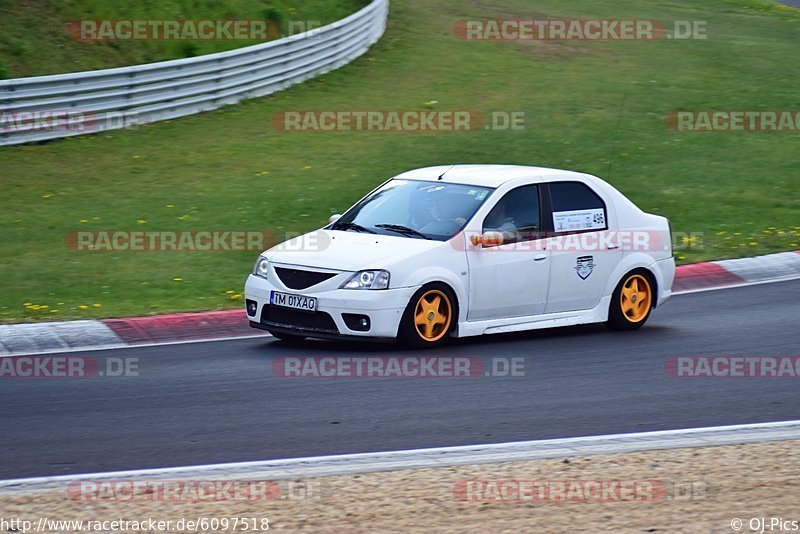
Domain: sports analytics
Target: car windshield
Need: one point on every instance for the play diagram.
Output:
(415, 209)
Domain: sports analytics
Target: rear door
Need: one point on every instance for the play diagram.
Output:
(581, 259)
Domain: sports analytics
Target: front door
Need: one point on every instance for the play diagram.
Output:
(510, 279)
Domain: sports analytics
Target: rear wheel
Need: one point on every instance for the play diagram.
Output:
(429, 317)
(631, 302)
(291, 338)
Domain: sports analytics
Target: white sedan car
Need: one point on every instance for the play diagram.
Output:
(465, 250)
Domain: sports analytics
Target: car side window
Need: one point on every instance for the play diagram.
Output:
(516, 215)
(576, 208)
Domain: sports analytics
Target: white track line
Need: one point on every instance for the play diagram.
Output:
(134, 346)
(346, 464)
(734, 286)
(267, 335)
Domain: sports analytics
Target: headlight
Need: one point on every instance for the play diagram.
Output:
(261, 268)
(367, 280)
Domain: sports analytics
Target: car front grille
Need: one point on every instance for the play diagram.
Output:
(301, 320)
(300, 279)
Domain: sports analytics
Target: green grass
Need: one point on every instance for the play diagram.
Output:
(595, 107)
(34, 40)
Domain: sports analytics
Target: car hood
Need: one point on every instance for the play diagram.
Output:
(347, 251)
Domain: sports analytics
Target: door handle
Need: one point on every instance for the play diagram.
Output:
(612, 247)
(540, 257)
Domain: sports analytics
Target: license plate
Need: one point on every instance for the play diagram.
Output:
(297, 302)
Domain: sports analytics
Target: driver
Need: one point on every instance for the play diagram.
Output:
(424, 212)
(427, 216)
(498, 220)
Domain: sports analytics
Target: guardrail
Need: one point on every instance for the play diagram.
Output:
(62, 105)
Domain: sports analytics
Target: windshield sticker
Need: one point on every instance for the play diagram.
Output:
(432, 188)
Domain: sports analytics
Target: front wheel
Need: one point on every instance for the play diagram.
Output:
(631, 302)
(429, 317)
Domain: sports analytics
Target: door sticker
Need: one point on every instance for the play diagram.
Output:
(585, 266)
(567, 221)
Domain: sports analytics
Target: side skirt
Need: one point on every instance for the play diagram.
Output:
(598, 314)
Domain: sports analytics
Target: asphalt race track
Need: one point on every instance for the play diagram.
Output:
(217, 402)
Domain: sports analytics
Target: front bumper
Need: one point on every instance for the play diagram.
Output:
(384, 308)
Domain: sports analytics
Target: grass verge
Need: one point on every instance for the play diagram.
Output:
(35, 39)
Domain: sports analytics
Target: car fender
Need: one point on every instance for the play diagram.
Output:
(663, 270)
(629, 262)
(436, 272)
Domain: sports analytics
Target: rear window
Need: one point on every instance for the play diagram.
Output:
(577, 208)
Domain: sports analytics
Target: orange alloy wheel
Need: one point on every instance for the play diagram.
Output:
(433, 315)
(636, 298)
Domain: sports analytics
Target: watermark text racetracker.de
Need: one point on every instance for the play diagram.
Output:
(58, 120)
(194, 491)
(397, 367)
(578, 29)
(734, 121)
(558, 491)
(65, 120)
(188, 30)
(68, 366)
(633, 240)
(397, 121)
(171, 240)
(733, 366)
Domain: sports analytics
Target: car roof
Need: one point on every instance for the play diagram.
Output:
(490, 175)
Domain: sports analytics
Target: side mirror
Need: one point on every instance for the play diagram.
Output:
(487, 239)
(334, 218)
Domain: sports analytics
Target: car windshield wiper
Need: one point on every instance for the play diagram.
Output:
(400, 229)
(352, 226)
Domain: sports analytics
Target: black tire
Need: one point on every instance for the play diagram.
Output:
(413, 336)
(629, 310)
(289, 338)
